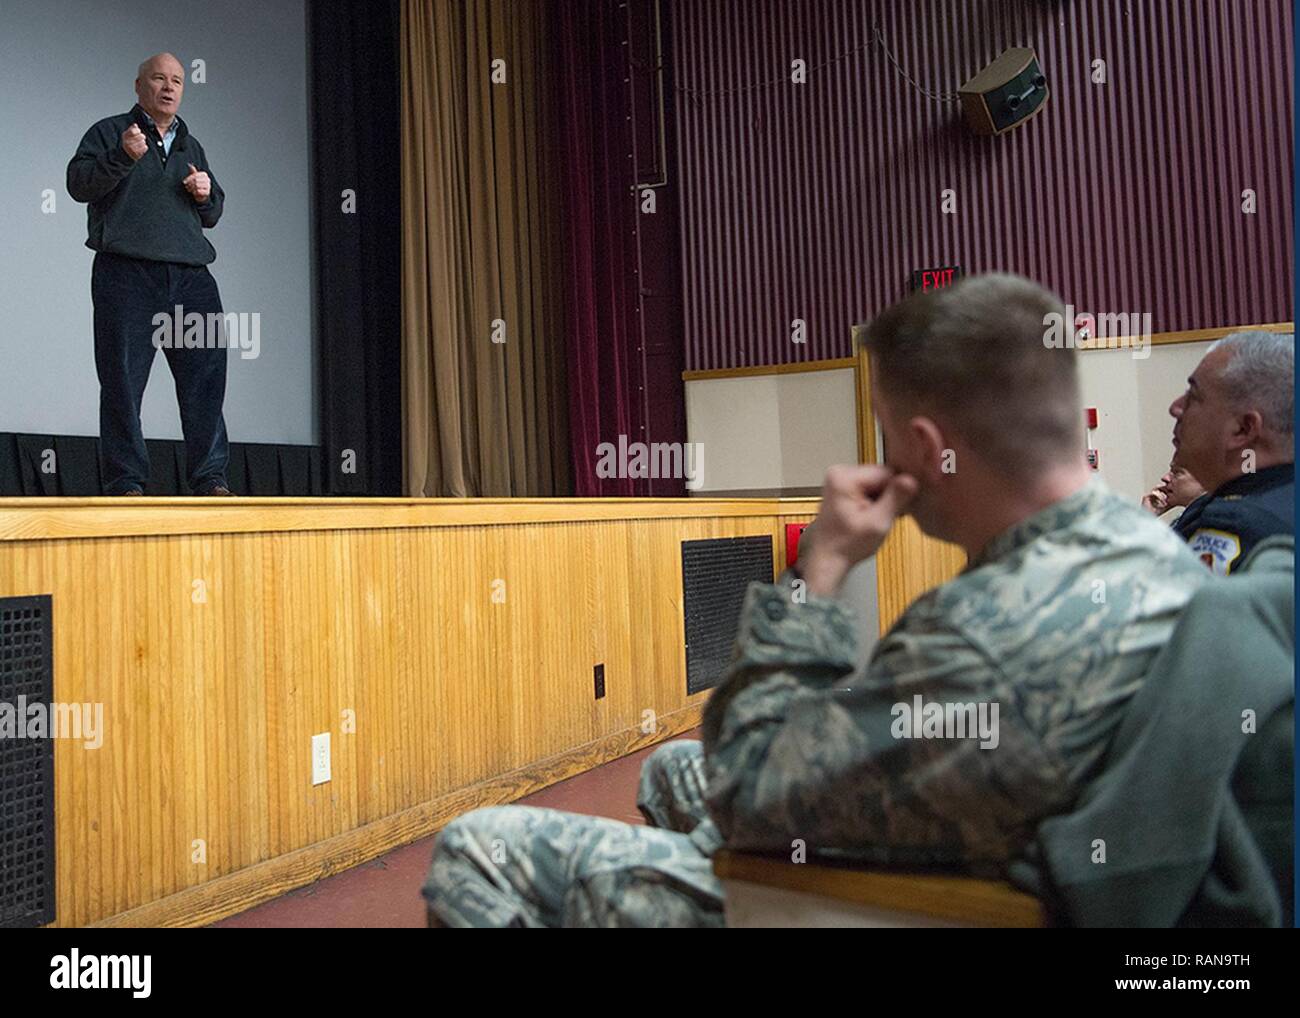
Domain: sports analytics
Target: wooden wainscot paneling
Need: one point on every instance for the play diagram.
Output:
(446, 646)
(908, 564)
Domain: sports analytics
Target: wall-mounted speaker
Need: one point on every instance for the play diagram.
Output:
(1005, 94)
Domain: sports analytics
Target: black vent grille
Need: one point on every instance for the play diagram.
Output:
(715, 576)
(26, 765)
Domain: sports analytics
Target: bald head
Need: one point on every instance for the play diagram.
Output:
(164, 61)
(159, 84)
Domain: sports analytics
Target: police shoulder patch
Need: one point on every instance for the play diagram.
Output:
(1218, 549)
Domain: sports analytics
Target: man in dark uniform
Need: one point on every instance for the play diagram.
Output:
(1234, 432)
(151, 195)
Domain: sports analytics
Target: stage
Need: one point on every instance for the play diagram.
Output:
(451, 648)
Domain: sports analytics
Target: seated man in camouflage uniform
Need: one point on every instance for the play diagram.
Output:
(1069, 593)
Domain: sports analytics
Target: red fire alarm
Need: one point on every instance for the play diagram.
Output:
(792, 532)
(1091, 414)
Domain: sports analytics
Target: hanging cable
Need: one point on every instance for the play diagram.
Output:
(943, 97)
(877, 39)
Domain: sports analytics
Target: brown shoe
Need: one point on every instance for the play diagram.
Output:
(219, 489)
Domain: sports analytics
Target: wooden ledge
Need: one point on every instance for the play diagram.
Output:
(41, 518)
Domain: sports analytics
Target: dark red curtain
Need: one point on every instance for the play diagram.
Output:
(600, 215)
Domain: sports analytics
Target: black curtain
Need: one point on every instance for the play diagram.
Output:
(68, 465)
(355, 91)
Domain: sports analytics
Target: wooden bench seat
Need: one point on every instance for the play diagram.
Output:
(767, 891)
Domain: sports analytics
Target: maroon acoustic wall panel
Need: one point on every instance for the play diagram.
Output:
(816, 201)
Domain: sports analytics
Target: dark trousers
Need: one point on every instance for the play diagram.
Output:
(128, 293)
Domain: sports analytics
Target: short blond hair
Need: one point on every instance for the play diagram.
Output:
(976, 356)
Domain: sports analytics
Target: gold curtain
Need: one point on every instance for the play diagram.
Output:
(484, 409)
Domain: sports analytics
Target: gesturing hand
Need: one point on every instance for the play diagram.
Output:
(859, 505)
(199, 185)
(134, 142)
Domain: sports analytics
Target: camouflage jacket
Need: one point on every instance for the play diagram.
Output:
(984, 710)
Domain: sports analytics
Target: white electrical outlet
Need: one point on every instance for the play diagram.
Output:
(320, 758)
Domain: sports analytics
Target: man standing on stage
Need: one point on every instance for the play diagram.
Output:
(151, 195)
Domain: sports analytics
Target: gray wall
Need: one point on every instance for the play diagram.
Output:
(65, 64)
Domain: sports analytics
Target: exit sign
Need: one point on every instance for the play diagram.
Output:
(935, 279)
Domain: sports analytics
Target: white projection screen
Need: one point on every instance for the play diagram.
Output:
(65, 64)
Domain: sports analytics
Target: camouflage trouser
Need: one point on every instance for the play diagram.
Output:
(523, 866)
